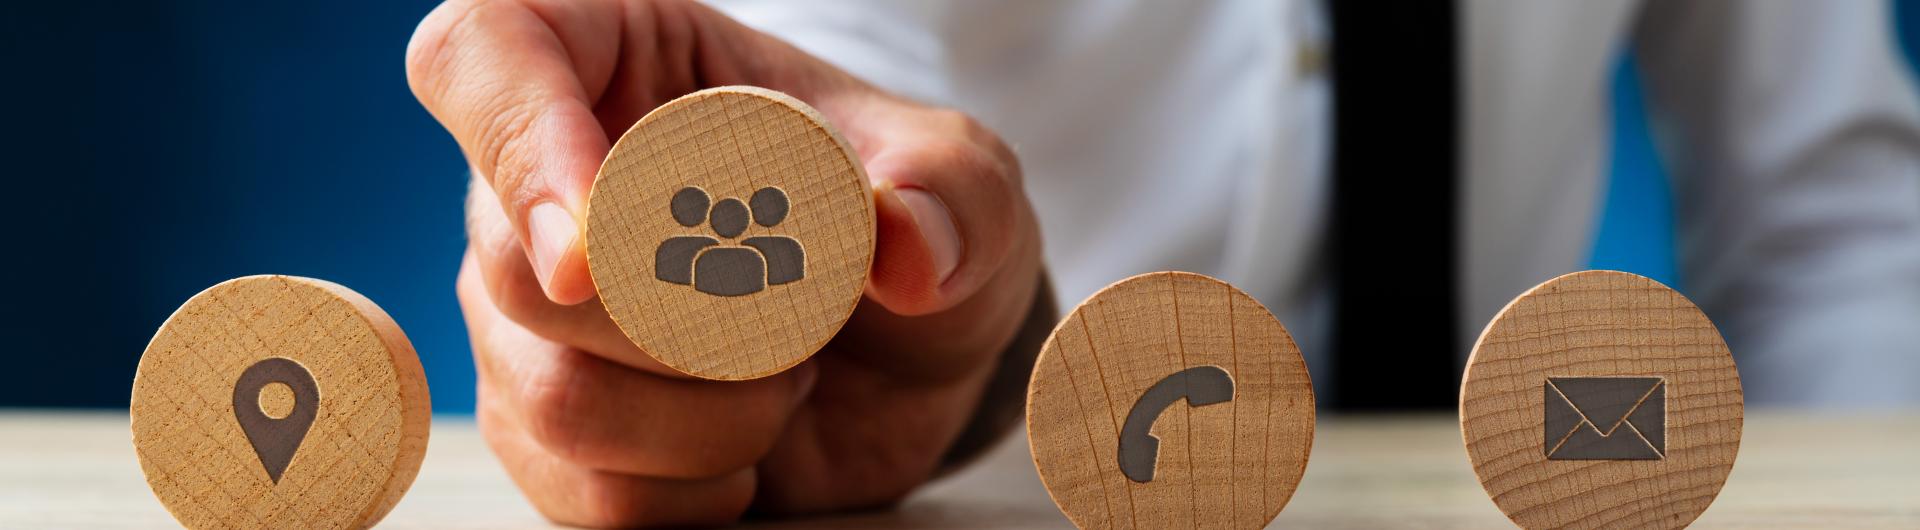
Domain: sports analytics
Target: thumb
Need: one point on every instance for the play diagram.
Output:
(948, 209)
(511, 99)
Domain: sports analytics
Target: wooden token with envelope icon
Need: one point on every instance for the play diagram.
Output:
(1601, 399)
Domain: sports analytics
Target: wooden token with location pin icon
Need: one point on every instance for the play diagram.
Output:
(730, 232)
(279, 402)
(1170, 400)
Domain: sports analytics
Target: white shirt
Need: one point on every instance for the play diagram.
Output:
(1193, 136)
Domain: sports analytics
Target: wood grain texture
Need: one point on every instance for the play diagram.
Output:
(1232, 464)
(732, 143)
(354, 462)
(1599, 324)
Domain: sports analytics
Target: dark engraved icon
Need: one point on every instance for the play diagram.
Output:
(275, 439)
(1200, 386)
(1606, 418)
(723, 270)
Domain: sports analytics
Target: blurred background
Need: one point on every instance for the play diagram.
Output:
(154, 149)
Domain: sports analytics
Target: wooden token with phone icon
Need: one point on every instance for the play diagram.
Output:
(1170, 399)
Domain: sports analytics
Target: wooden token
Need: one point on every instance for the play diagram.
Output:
(1170, 400)
(1601, 399)
(730, 232)
(279, 402)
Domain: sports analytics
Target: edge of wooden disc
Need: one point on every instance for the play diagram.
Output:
(1691, 439)
(416, 410)
(416, 407)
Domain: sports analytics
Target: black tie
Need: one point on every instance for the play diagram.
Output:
(1395, 155)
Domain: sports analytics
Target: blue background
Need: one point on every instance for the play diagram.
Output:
(154, 149)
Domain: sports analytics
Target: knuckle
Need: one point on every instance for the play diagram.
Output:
(986, 150)
(611, 501)
(430, 51)
(719, 459)
(466, 287)
(485, 222)
(567, 415)
(995, 201)
(965, 123)
(890, 474)
(516, 294)
(977, 165)
(970, 149)
(989, 179)
(487, 416)
(878, 476)
(551, 407)
(428, 46)
(696, 465)
(605, 503)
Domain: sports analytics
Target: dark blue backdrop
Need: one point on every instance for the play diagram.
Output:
(154, 149)
(157, 148)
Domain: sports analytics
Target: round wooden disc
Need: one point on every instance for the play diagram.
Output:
(1601, 399)
(1145, 343)
(208, 388)
(677, 263)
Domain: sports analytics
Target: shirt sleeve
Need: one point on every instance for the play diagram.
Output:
(1791, 132)
(894, 45)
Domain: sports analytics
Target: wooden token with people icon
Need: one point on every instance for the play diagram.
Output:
(730, 232)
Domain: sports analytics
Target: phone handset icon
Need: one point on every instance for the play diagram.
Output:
(1199, 386)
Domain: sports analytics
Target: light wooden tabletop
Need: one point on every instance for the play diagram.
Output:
(1796, 470)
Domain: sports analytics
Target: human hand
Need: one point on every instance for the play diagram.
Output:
(598, 433)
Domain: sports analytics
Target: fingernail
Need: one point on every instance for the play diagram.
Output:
(936, 227)
(552, 230)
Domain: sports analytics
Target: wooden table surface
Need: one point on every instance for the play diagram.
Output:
(1796, 470)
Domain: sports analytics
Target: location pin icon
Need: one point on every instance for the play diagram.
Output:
(275, 440)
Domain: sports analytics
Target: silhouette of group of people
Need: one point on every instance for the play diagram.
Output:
(729, 270)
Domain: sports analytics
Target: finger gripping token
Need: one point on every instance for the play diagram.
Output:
(1601, 399)
(730, 232)
(1170, 400)
(279, 402)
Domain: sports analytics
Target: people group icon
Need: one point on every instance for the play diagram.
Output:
(729, 270)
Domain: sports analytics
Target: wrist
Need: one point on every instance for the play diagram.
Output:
(1003, 402)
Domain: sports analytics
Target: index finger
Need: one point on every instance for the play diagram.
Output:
(501, 81)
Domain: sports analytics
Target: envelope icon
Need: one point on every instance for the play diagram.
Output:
(1606, 418)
